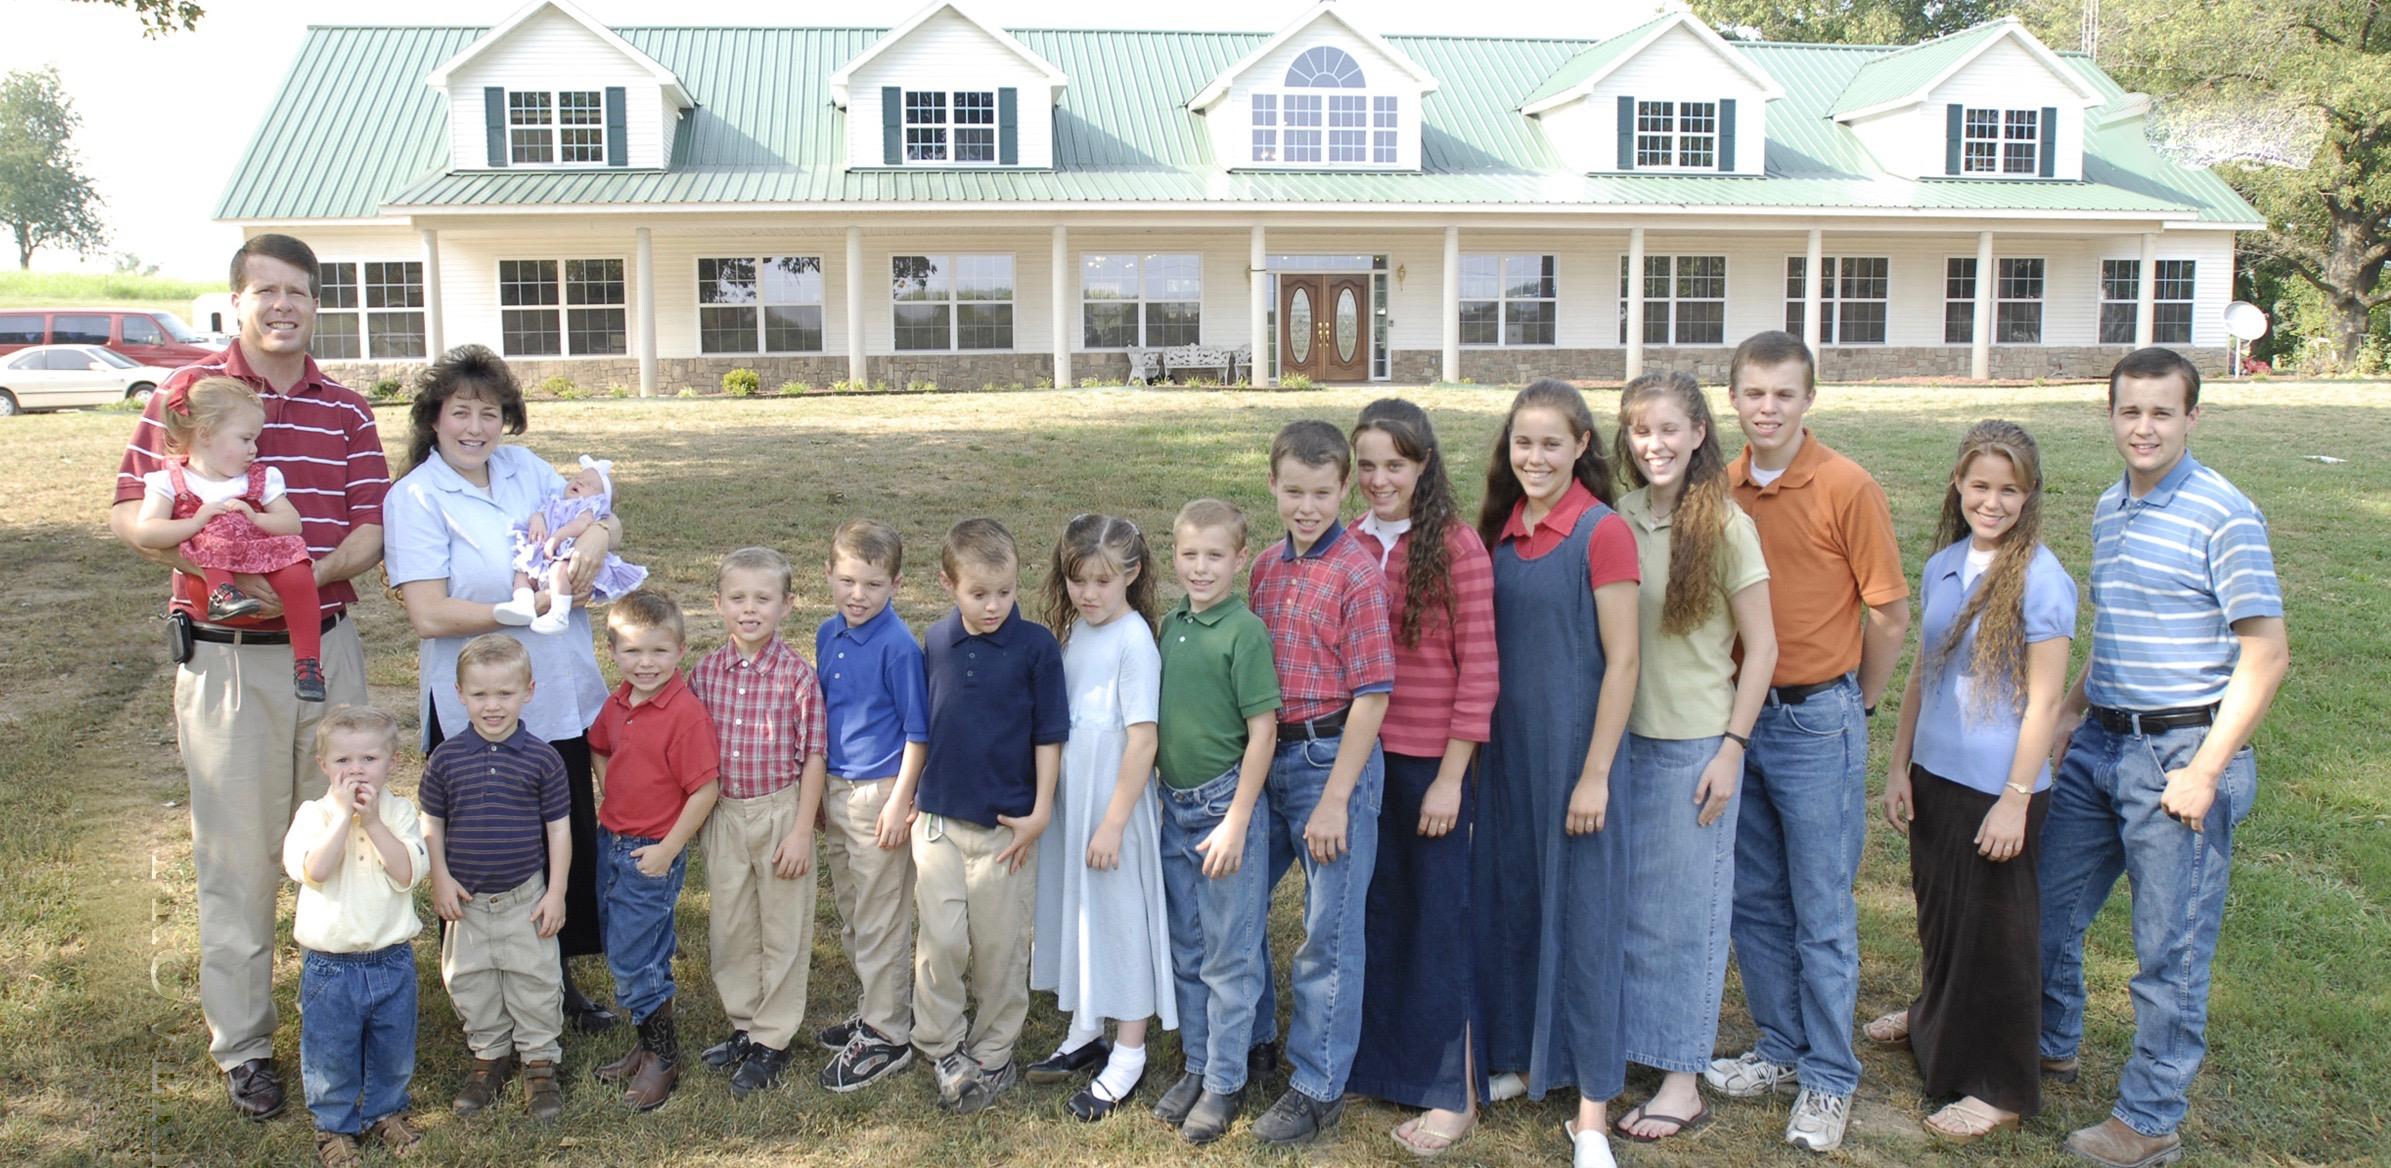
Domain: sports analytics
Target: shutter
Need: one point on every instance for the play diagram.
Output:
(892, 125)
(618, 127)
(1008, 126)
(1957, 119)
(2050, 141)
(494, 118)
(1727, 134)
(1627, 133)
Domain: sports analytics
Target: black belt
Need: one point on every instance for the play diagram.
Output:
(2144, 721)
(1794, 695)
(220, 635)
(1325, 726)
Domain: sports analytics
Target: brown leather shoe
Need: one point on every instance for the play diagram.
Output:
(2113, 1145)
(651, 1084)
(541, 1096)
(620, 1069)
(484, 1084)
(396, 1137)
(255, 1089)
(336, 1150)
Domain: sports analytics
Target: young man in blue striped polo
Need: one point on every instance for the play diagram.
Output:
(2154, 768)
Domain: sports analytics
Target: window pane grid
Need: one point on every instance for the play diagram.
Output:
(771, 304)
(1266, 123)
(947, 303)
(1508, 300)
(1140, 301)
(1999, 141)
(1852, 298)
(1303, 119)
(1684, 300)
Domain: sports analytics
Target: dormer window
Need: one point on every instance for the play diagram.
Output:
(1996, 141)
(1354, 129)
(1677, 134)
(957, 126)
(545, 128)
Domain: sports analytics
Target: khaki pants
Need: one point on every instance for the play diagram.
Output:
(975, 916)
(504, 977)
(873, 889)
(762, 930)
(248, 745)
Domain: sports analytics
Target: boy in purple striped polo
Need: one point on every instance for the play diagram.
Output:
(495, 810)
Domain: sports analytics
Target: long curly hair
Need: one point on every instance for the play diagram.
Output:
(1428, 568)
(1997, 609)
(1698, 524)
(1117, 544)
(1503, 491)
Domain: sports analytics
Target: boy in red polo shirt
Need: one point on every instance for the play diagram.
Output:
(653, 753)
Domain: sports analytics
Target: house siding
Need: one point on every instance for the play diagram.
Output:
(552, 51)
(948, 52)
(1679, 66)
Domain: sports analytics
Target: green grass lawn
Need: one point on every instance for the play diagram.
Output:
(96, 290)
(104, 1055)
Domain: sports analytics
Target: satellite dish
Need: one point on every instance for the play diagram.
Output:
(2245, 321)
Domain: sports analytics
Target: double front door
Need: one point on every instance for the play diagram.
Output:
(1324, 327)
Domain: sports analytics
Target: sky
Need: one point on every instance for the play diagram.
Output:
(165, 118)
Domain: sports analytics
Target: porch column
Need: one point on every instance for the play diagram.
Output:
(1257, 308)
(1062, 320)
(1980, 338)
(1451, 367)
(647, 315)
(1635, 301)
(435, 338)
(1811, 329)
(2146, 300)
(857, 370)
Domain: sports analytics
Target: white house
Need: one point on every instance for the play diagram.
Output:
(959, 203)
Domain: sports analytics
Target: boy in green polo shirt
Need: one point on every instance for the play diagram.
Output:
(1218, 728)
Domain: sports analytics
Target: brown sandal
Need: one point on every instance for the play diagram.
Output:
(1967, 1121)
(1889, 1029)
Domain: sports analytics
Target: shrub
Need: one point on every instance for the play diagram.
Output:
(1044, 383)
(919, 385)
(559, 385)
(1093, 383)
(850, 385)
(387, 389)
(1296, 381)
(618, 391)
(686, 391)
(795, 387)
(741, 382)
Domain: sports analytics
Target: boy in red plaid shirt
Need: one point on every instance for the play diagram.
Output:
(767, 711)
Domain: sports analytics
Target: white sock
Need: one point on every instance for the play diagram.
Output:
(1121, 1072)
(1076, 1037)
(517, 610)
(560, 611)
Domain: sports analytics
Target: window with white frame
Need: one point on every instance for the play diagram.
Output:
(759, 304)
(1301, 113)
(2120, 300)
(1507, 300)
(1348, 127)
(1685, 300)
(1677, 133)
(1353, 129)
(956, 126)
(1385, 116)
(2017, 302)
(562, 127)
(1140, 301)
(1266, 127)
(1852, 298)
(1998, 141)
(950, 303)
(562, 307)
(371, 310)
(2171, 301)
(1959, 300)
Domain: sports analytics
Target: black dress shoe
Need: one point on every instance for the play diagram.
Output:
(1260, 1060)
(1057, 1068)
(727, 1054)
(1090, 1105)
(1210, 1118)
(1297, 1118)
(255, 1089)
(1178, 1098)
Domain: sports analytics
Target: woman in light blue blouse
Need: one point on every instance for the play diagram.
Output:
(449, 549)
(1969, 786)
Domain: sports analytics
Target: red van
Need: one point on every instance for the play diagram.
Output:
(148, 336)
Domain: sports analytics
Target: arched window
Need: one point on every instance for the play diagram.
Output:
(1324, 67)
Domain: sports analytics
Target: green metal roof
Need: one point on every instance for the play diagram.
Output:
(1902, 72)
(1593, 60)
(354, 133)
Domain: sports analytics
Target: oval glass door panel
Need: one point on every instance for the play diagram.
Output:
(1349, 325)
(1299, 326)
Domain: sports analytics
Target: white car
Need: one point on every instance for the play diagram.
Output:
(48, 377)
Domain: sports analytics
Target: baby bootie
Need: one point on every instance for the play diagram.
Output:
(517, 611)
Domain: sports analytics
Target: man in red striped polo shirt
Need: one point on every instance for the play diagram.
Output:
(247, 741)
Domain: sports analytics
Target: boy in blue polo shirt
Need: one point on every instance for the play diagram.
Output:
(999, 715)
(879, 718)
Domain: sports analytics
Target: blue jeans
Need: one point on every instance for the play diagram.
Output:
(1216, 930)
(636, 913)
(1326, 980)
(357, 1035)
(1681, 889)
(2105, 820)
(1797, 854)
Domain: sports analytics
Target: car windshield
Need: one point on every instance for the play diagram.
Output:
(112, 357)
(177, 329)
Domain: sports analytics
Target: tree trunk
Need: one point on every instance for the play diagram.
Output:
(2353, 269)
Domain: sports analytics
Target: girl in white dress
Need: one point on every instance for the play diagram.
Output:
(1102, 947)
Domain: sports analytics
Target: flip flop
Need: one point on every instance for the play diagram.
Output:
(1419, 1128)
(1982, 1124)
(1685, 1127)
(1889, 1029)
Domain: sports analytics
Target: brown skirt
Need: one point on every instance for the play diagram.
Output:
(1979, 1002)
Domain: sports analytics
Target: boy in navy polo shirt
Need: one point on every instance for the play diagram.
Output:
(495, 810)
(653, 753)
(999, 715)
(879, 721)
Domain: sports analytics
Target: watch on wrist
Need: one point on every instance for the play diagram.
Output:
(1868, 712)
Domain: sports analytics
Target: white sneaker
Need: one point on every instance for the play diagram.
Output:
(1588, 1149)
(1747, 1075)
(1818, 1121)
(1508, 1085)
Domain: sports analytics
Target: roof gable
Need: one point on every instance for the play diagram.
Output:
(1211, 94)
(840, 77)
(1580, 74)
(1905, 77)
(438, 77)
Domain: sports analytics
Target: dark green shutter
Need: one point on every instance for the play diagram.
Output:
(494, 118)
(618, 127)
(1627, 133)
(892, 125)
(1008, 126)
(1953, 130)
(2050, 141)
(1727, 134)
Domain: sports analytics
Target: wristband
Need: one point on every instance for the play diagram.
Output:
(2028, 792)
(1869, 712)
(1740, 740)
